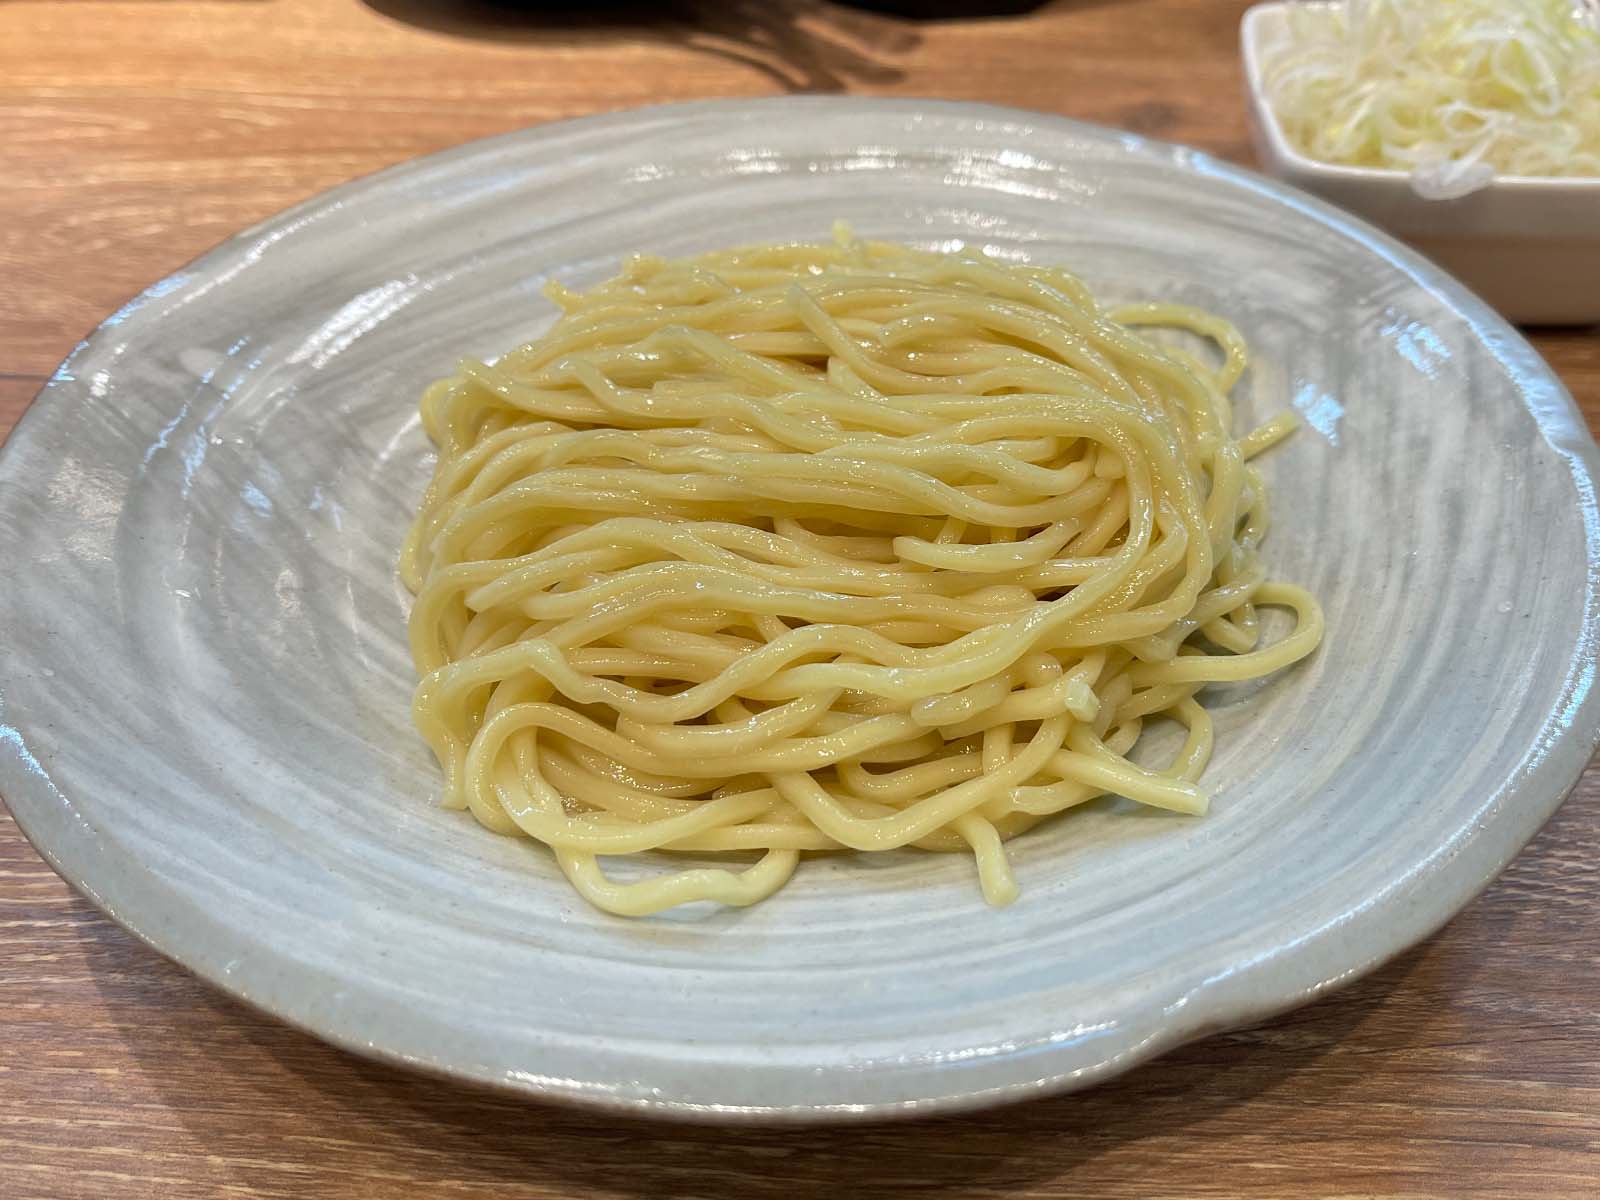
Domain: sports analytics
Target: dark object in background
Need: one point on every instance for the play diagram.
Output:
(917, 9)
(801, 45)
(936, 9)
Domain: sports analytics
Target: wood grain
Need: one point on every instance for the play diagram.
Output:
(136, 133)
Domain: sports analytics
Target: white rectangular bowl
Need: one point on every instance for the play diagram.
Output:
(1529, 246)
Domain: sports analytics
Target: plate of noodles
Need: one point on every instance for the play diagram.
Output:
(810, 608)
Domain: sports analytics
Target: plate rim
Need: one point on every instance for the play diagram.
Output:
(1530, 801)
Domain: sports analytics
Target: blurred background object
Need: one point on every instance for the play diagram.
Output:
(947, 8)
(803, 45)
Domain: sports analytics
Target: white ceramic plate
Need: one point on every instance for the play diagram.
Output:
(205, 692)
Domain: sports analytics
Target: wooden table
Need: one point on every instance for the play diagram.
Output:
(134, 134)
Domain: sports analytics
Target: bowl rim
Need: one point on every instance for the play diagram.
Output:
(1283, 152)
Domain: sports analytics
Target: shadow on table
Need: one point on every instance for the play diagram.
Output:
(273, 1082)
(803, 45)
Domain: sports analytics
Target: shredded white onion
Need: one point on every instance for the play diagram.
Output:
(1455, 91)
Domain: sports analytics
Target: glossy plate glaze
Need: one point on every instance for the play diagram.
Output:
(205, 693)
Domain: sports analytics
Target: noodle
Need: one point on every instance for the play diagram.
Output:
(811, 547)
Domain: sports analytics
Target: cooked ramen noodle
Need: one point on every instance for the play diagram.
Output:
(848, 546)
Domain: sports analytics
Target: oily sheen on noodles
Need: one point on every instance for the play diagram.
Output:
(820, 547)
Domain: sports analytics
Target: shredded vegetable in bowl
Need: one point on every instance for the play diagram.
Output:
(1454, 91)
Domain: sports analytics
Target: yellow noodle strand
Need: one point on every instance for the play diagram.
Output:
(803, 548)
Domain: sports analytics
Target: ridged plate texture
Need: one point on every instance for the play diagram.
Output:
(204, 702)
